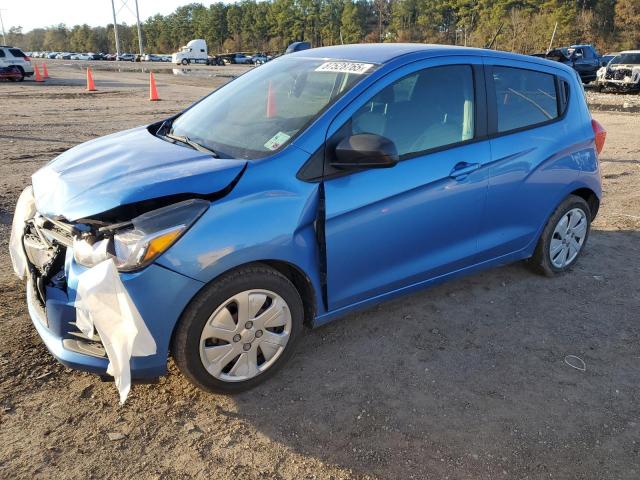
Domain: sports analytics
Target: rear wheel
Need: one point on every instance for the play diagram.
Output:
(563, 238)
(239, 330)
(22, 75)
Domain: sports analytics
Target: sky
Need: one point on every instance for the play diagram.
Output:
(30, 14)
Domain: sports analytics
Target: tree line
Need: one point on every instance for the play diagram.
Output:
(522, 26)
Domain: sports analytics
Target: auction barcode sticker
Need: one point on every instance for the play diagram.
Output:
(345, 67)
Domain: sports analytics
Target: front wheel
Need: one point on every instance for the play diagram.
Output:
(239, 330)
(563, 238)
(184, 61)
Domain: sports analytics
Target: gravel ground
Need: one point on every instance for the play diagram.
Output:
(463, 381)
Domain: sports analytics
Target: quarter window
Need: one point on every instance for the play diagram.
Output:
(523, 98)
(16, 52)
(425, 110)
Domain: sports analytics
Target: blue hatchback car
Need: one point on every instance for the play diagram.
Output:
(325, 181)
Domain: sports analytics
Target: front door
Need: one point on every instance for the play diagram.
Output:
(386, 229)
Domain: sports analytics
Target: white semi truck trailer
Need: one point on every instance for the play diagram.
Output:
(193, 52)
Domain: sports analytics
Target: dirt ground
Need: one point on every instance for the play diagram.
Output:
(467, 380)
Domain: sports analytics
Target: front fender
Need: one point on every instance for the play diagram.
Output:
(265, 217)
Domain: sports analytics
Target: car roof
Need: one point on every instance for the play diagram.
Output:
(381, 53)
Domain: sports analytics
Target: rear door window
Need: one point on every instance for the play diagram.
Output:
(1, 53)
(524, 98)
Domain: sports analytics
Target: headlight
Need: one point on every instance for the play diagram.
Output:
(143, 239)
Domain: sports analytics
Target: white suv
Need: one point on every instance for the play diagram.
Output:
(14, 56)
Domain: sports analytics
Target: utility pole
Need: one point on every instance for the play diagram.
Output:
(4, 36)
(115, 29)
(139, 29)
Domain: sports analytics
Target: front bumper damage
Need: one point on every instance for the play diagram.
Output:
(95, 319)
(623, 78)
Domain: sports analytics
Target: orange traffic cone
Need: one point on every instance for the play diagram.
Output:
(91, 87)
(153, 91)
(271, 102)
(45, 72)
(37, 72)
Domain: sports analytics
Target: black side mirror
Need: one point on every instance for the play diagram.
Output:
(365, 150)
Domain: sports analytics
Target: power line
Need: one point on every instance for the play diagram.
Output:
(123, 4)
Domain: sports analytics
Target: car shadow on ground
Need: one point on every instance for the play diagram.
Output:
(471, 376)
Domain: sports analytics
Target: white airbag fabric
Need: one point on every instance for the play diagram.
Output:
(103, 302)
(25, 210)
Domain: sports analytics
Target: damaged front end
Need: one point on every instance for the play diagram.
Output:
(619, 78)
(83, 279)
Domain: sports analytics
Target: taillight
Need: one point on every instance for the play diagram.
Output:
(27, 59)
(600, 133)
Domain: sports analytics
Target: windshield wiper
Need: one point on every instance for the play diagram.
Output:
(187, 141)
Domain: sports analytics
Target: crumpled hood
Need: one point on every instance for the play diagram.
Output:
(124, 168)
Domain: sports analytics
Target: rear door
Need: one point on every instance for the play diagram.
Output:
(387, 229)
(17, 57)
(532, 149)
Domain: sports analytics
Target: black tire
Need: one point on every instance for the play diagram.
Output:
(184, 61)
(22, 75)
(541, 259)
(185, 345)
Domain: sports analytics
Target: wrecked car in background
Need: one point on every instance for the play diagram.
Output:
(584, 59)
(323, 182)
(621, 73)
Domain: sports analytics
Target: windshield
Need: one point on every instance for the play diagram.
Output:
(261, 111)
(626, 59)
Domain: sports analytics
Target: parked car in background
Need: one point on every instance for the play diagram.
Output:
(126, 57)
(52, 55)
(238, 58)
(621, 73)
(14, 57)
(110, 57)
(297, 47)
(260, 58)
(584, 59)
(607, 57)
(302, 191)
(151, 57)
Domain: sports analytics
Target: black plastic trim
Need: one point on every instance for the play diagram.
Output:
(319, 225)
